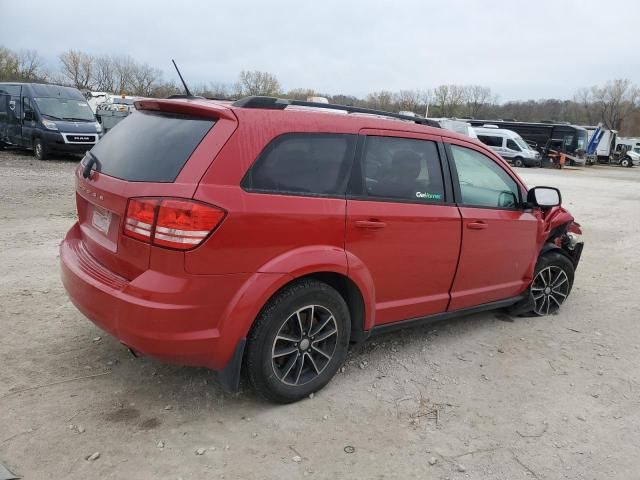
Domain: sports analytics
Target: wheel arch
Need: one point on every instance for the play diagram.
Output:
(327, 264)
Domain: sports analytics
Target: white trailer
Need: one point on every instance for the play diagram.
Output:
(607, 143)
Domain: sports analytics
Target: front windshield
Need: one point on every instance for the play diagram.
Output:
(582, 139)
(65, 109)
(521, 143)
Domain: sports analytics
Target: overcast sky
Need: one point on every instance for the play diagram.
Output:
(521, 49)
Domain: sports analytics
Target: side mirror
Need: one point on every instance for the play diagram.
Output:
(544, 197)
(28, 116)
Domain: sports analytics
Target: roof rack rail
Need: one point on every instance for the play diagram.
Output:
(273, 103)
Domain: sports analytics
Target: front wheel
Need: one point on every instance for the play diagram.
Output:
(39, 150)
(625, 162)
(552, 283)
(298, 342)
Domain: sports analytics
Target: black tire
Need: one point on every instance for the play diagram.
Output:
(552, 283)
(626, 162)
(39, 149)
(266, 365)
(517, 162)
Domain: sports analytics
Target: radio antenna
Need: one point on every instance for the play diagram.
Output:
(186, 89)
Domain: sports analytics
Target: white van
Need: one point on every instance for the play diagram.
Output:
(509, 145)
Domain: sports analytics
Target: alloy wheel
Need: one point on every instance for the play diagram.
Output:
(304, 345)
(550, 289)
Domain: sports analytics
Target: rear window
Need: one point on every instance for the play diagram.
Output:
(303, 163)
(150, 146)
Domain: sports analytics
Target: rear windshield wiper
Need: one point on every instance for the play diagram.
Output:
(93, 160)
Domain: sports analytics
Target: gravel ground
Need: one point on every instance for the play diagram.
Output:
(486, 396)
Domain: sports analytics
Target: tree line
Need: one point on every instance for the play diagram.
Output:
(616, 104)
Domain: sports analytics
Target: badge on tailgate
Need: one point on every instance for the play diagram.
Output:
(101, 219)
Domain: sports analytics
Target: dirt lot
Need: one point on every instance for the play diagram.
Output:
(483, 397)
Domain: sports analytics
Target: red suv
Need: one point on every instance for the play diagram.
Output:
(265, 235)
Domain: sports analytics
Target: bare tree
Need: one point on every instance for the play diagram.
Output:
(449, 99)
(257, 83)
(8, 64)
(382, 100)
(104, 73)
(410, 100)
(583, 100)
(30, 66)
(477, 98)
(77, 68)
(123, 67)
(218, 90)
(166, 89)
(143, 77)
(301, 93)
(615, 101)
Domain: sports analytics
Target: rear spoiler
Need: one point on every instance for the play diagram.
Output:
(196, 108)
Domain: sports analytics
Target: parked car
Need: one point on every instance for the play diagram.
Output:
(46, 119)
(509, 145)
(264, 238)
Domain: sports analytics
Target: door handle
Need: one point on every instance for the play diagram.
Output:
(370, 224)
(477, 225)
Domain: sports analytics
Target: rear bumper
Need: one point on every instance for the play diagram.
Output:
(177, 319)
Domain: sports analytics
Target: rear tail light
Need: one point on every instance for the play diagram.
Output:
(171, 223)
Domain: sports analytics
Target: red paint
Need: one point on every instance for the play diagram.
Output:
(192, 307)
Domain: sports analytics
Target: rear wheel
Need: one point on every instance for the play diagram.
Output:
(39, 150)
(298, 342)
(552, 283)
(517, 162)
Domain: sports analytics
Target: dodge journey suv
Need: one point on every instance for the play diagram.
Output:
(263, 236)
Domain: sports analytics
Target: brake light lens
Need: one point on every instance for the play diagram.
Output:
(140, 218)
(171, 223)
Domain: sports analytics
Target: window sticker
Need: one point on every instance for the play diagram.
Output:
(428, 196)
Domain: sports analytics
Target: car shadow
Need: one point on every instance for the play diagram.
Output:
(196, 389)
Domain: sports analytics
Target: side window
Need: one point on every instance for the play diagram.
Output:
(27, 109)
(403, 168)
(303, 163)
(491, 140)
(511, 145)
(482, 182)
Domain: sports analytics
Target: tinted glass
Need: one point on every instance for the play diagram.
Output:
(512, 145)
(404, 169)
(490, 140)
(150, 147)
(316, 164)
(482, 181)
